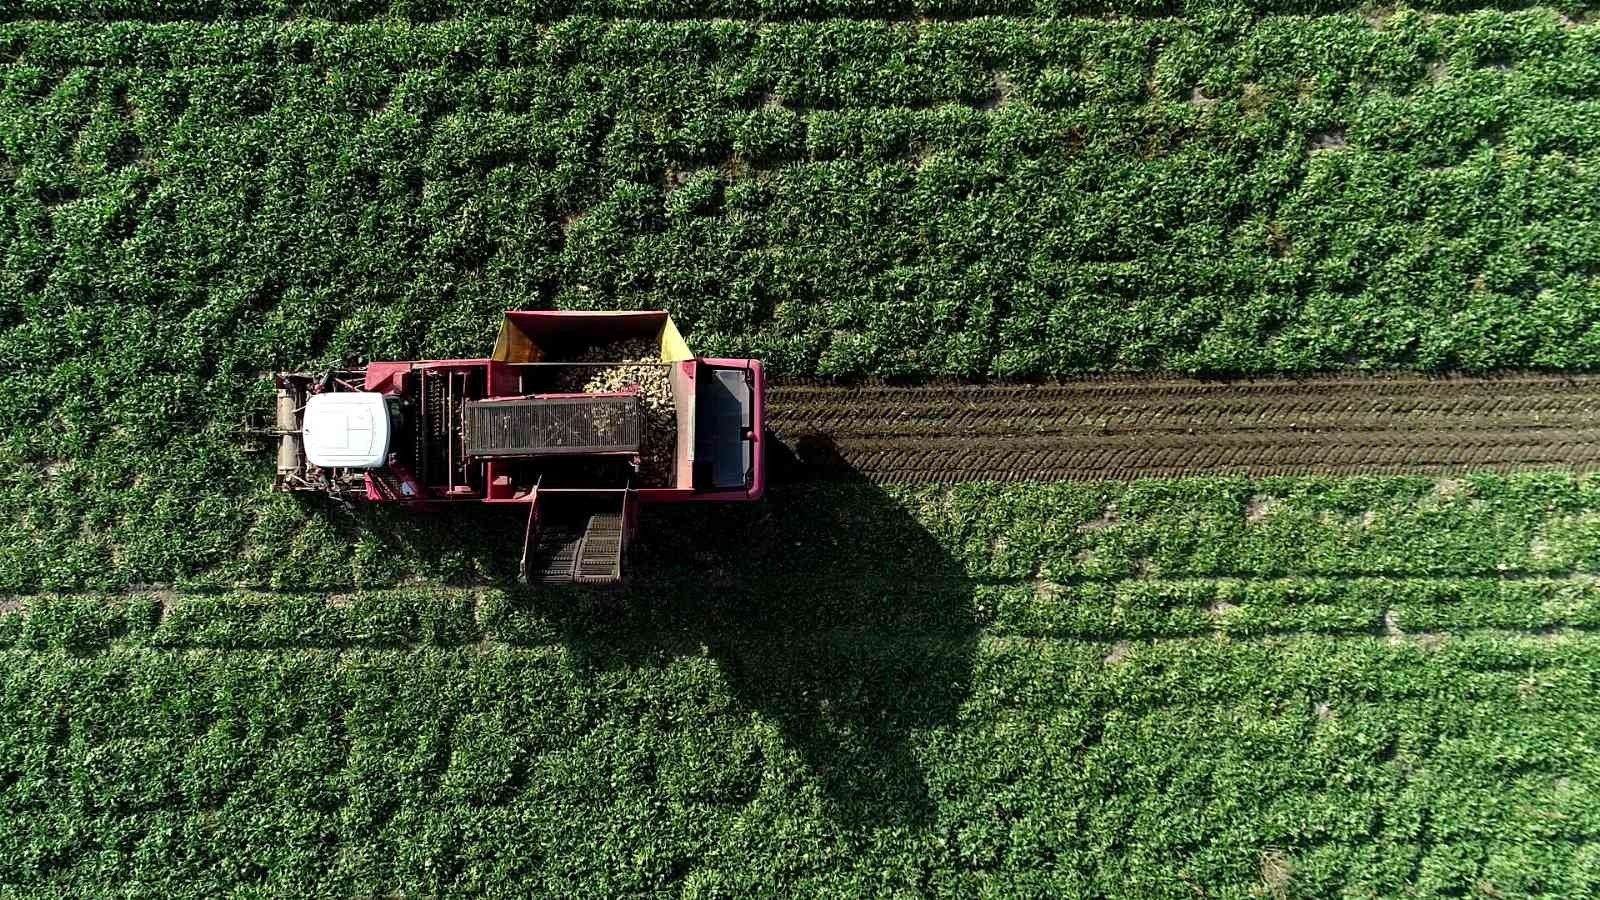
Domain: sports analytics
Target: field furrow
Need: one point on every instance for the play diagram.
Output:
(950, 432)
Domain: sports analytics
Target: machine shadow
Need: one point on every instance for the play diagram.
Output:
(467, 545)
(831, 611)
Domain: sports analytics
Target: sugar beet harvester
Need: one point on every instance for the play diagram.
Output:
(513, 429)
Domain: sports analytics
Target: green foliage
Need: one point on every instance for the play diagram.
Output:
(202, 201)
(1512, 526)
(1076, 766)
(1312, 685)
(1299, 686)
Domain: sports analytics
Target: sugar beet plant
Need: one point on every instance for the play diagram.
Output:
(1287, 686)
(988, 196)
(1305, 763)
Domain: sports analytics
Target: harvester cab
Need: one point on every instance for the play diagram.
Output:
(581, 417)
(350, 430)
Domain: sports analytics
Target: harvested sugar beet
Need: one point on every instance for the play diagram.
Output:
(637, 363)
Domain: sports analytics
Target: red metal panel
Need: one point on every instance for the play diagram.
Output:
(504, 380)
(384, 377)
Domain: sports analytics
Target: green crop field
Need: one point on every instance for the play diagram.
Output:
(1287, 685)
(1378, 686)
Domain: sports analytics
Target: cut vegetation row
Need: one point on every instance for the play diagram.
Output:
(1139, 428)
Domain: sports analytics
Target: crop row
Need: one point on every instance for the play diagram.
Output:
(1401, 609)
(869, 762)
(208, 526)
(765, 10)
(987, 197)
(1364, 51)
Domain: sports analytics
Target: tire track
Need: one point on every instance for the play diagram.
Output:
(1122, 428)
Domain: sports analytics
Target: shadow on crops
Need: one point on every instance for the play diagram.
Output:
(465, 544)
(828, 607)
(830, 611)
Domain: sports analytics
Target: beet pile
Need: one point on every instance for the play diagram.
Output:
(637, 363)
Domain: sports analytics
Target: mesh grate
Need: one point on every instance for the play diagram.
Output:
(590, 556)
(556, 557)
(548, 426)
(600, 555)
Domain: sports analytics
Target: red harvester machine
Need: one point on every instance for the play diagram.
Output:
(502, 430)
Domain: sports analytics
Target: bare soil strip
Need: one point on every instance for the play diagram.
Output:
(1112, 428)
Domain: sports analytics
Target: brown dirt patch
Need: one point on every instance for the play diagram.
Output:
(1119, 428)
(1277, 872)
(1106, 519)
(1332, 139)
(1391, 626)
(1259, 507)
(1003, 88)
(1377, 16)
(165, 601)
(1119, 652)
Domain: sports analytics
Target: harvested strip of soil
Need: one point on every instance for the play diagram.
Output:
(1114, 428)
